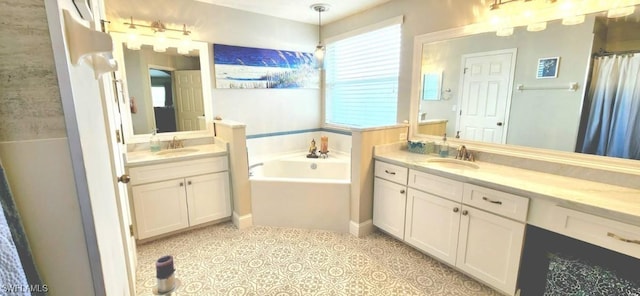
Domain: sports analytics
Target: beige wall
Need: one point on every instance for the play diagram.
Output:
(362, 172)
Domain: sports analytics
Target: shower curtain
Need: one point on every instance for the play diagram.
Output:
(613, 127)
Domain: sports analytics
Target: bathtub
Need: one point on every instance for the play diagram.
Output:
(299, 192)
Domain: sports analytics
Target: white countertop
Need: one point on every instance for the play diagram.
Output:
(145, 157)
(614, 202)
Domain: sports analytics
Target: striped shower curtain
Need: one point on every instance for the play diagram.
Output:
(613, 127)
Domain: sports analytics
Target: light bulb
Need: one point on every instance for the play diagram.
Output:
(133, 40)
(573, 20)
(535, 27)
(504, 32)
(621, 11)
(160, 44)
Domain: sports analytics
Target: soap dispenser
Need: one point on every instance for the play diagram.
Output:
(154, 142)
(444, 147)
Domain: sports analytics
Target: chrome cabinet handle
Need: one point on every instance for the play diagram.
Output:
(456, 209)
(402, 191)
(390, 173)
(491, 201)
(622, 239)
(465, 212)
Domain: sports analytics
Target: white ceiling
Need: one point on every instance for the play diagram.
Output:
(300, 10)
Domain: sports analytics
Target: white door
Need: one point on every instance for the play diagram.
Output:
(189, 103)
(487, 80)
(389, 201)
(432, 225)
(114, 100)
(489, 248)
(208, 198)
(160, 207)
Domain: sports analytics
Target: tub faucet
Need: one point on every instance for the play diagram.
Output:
(175, 143)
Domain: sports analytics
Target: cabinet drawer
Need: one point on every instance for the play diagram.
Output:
(497, 202)
(179, 169)
(391, 172)
(443, 187)
(613, 235)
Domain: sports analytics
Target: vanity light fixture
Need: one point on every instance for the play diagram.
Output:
(319, 52)
(160, 33)
(534, 14)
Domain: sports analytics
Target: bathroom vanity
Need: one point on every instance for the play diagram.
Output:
(176, 189)
(473, 216)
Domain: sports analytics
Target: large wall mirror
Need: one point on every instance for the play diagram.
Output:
(164, 91)
(499, 90)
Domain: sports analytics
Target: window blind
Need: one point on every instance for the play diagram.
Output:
(361, 82)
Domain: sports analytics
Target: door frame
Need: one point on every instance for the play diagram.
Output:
(514, 56)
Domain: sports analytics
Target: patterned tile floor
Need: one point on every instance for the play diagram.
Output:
(221, 260)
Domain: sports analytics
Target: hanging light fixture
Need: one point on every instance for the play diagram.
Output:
(319, 53)
(160, 33)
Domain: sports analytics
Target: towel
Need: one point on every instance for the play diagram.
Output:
(17, 268)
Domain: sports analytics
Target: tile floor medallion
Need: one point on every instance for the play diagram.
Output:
(222, 260)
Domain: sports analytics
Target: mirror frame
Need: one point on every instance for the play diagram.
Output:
(206, 66)
(613, 164)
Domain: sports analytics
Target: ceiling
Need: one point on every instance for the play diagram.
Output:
(300, 10)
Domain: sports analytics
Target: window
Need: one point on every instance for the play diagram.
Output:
(361, 83)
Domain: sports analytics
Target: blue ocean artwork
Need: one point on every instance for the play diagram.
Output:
(248, 67)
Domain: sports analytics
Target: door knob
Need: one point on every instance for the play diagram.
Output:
(124, 179)
(499, 123)
(402, 191)
(455, 210)
(465, 212)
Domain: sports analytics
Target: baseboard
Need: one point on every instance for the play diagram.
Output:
(363, 229)
(242, 222)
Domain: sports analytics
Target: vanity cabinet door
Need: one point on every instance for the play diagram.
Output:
(432, 225)
(489, 248)
(389, 201)
(160, 207)
(208, 198)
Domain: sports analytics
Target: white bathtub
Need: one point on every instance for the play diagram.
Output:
(299, 192)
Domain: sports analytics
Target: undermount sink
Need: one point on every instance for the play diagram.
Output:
(451, 163)
(177, 151)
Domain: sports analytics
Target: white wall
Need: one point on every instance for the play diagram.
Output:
(263, 110)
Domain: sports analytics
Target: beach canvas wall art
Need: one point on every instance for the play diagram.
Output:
(248, 67)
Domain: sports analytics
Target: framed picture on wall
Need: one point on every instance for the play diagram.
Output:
(548, 67)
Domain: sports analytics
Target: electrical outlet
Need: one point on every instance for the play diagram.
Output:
(403, 136)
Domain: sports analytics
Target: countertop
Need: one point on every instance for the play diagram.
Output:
(614, 202)
(145, 157)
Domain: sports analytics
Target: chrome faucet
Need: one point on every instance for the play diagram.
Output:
(464, 154)
(175, 143)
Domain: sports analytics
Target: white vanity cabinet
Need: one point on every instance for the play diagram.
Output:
(389, 198)
(172, 196)
(476, 229)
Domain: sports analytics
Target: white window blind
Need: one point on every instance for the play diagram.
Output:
(361, 83)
